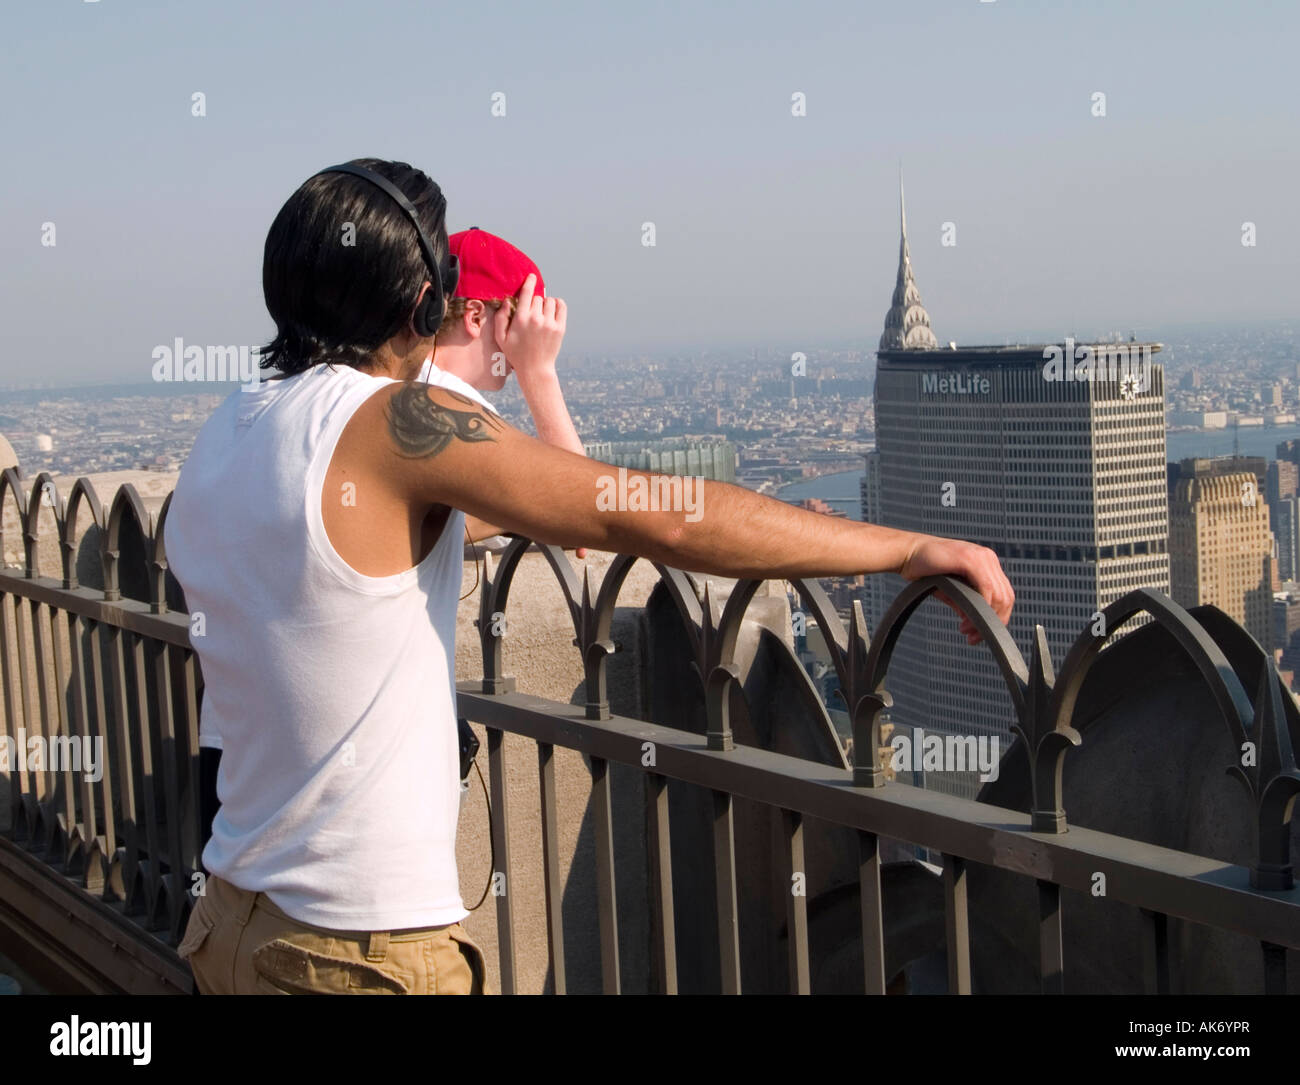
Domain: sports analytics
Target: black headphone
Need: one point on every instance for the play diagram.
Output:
(428, 314)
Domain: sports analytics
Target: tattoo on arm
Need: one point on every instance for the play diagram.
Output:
(422, 428)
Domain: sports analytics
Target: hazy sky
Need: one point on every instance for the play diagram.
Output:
(771, 229)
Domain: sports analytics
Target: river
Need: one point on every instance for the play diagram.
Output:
(841, 490)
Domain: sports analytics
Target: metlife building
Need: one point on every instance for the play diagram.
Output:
(1053, 455)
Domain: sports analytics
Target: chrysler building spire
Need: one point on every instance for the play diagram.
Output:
(907, 324)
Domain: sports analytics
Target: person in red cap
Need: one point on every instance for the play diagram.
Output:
(499, 306)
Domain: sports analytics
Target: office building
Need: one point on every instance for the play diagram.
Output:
(1220, 545)
(1053, 455)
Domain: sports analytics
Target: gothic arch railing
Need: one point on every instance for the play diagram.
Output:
(157, 560)
(88, 668)
(90, 663)
(597, 625)
(11, 485)
(592, 622)
(711, 637)
(1043, 702)
(1043, 708)
(44, 494)
(126, 502)
(1047, 759)
(82, 492)
(870, 696)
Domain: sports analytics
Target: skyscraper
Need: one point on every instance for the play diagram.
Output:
(1220, 545)
(1282, 490)
(1052, 455)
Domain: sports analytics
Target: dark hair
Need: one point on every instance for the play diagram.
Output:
(338, 294)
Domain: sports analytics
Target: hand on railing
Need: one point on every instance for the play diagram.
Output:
(932, 555)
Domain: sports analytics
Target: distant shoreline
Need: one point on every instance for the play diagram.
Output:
(841, 488)
(117, 391)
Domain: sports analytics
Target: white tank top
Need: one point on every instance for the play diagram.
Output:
(330, 692)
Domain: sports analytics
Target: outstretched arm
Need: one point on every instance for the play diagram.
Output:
(437, 448)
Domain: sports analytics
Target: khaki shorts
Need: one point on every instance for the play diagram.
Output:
(240, 943)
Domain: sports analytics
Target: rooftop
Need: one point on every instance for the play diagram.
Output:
(670, 871)
(1016, 354)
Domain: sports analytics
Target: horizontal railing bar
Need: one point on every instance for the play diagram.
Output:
(172, 627)
(1190, 887)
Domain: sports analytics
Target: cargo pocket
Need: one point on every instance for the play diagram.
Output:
(470, 951)
(284, 968)
(196, 933)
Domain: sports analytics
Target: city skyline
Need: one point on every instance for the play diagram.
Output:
(1220, 374)
(1002, 282)
(765, 160)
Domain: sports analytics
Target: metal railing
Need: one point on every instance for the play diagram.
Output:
(106, 868)
(89, 670)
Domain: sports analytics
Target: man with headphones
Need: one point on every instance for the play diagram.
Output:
(497, 283)
(317, 526)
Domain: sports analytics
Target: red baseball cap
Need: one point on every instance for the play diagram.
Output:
(490, 267)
